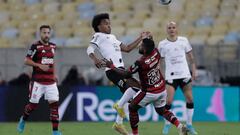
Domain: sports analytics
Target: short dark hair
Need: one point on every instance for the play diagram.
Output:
(44, 26)
(148, 45)
(97, 20)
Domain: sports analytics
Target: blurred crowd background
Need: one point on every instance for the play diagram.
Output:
(212, 26)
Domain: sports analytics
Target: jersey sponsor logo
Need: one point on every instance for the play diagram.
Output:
(43, 51)
(148, 61)
(116, 47)
(47, 61)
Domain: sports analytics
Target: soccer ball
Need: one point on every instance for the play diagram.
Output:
(165, 2)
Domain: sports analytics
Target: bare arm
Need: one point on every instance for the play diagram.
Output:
(131, 46)
(134, 44)
(98, 63)
(193, 64)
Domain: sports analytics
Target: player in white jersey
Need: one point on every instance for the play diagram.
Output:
(110, 48)
(175, 50)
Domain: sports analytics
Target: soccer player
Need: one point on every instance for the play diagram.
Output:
(153, 86)
(174, 49)
(111, 48)
(43, 82)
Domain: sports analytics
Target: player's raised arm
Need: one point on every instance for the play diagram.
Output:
(134, 44)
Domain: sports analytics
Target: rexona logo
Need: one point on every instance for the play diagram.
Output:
(90, 108)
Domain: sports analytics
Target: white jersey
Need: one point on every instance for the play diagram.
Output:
(174, 54)
(109, 47)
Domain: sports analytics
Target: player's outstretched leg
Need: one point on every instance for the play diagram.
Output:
(168, 115)
(120, 128)
(27, 111)
(21, 125)
(167, 124)
(119, 110)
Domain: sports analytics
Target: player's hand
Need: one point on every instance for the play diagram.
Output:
(108, 63)
(194, 75)
(146, 34)
(44, 67)
(99, 63)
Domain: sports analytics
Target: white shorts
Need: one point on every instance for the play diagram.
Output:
(158, 100)
(37, 90)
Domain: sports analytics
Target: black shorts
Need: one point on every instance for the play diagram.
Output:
(179, 82)
(117, 80)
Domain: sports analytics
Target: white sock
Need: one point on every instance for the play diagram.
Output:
(119, 120)
(180, 126)
(189, 116)
(128, 94)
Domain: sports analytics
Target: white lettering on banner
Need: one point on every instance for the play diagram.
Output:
(103, 110)
(89, 109)
(148, 113)
(105, 107)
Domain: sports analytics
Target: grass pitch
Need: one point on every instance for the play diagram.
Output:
(104, 128)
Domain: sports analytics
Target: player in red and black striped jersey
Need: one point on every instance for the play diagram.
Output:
(41, 57)
(152, 83)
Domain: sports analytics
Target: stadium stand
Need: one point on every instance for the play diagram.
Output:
(213, 24)
(206, 24)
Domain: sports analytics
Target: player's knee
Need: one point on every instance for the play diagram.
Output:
(190, 105)
(168, 106)
(160, 110)
(53, 104)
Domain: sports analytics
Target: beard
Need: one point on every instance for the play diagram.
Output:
(45, 40)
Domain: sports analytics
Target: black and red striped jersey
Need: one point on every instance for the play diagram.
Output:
(149, 72)
(42, 54)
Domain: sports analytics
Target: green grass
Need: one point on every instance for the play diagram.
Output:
(104, 128)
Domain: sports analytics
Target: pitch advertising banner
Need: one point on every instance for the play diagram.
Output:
(95, 104)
